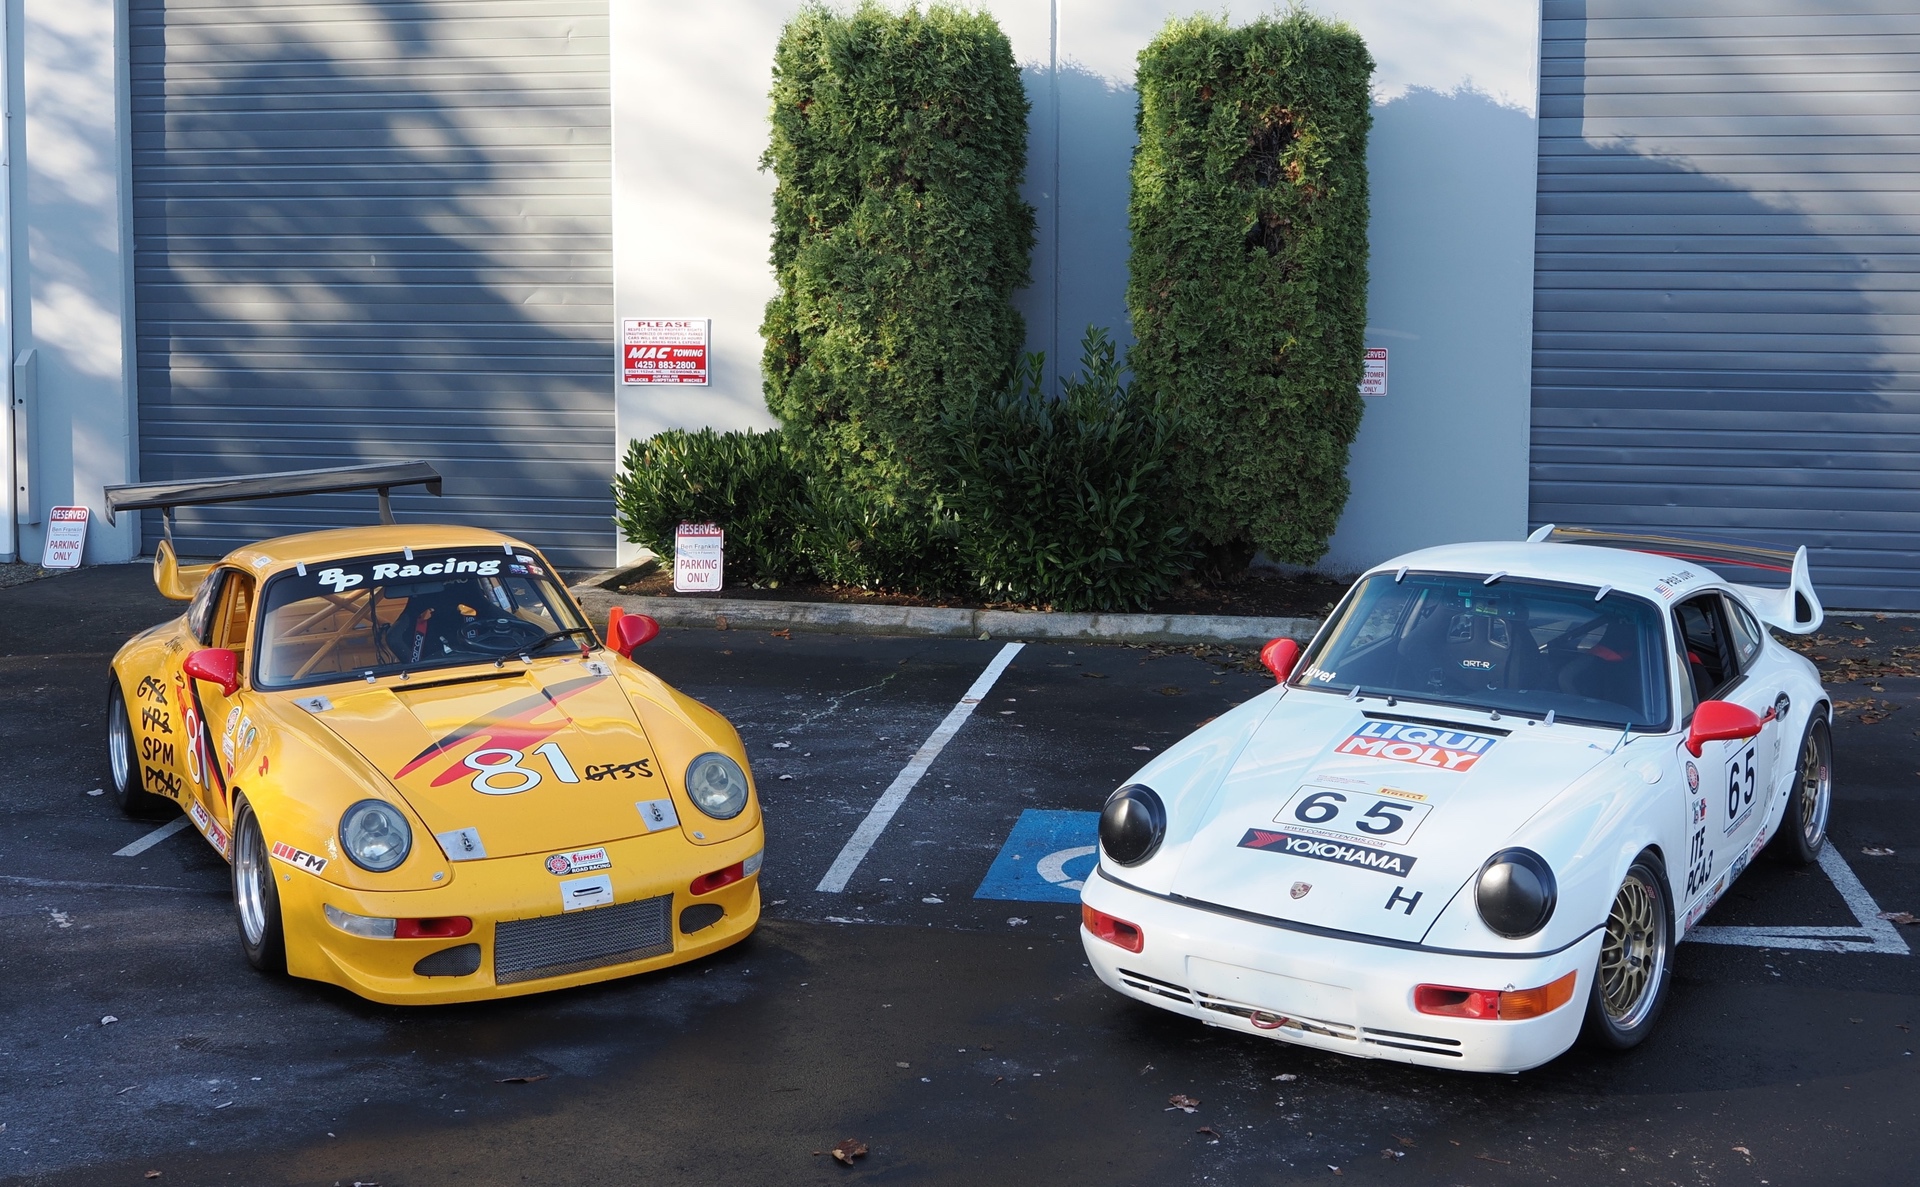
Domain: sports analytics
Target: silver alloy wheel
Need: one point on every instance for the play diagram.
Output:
(1816, 791)
(119, 745)
(249, 869)
(1633, 952)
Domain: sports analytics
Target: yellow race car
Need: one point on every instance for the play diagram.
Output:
(434, 783)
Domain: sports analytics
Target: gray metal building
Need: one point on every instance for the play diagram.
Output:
(377, 231)
(1727, 278)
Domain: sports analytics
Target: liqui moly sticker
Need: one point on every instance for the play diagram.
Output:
(1421, 745)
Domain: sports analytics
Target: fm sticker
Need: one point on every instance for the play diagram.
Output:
(581, 893)
(1320, 849)
(580, 861)
(299, 859)
(1421, 745)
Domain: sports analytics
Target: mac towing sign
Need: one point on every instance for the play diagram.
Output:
(664, 350)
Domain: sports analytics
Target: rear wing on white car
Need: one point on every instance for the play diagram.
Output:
(1795, 609)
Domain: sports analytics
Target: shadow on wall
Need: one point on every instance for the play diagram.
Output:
(1080, 259)
(1706, 360)
(376, 233)
(1450, 237)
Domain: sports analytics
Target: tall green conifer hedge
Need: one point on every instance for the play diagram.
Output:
(899, 140)
(1248, 285)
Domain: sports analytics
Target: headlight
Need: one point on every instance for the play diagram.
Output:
(718, 786)
(1515, 892)
(375, 835)
(1132, 824)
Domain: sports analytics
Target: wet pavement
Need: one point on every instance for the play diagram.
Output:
(959, 1037)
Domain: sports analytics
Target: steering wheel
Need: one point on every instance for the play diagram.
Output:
(502, 634)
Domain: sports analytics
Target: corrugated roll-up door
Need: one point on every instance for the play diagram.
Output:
(1727, 296)
(375, 231)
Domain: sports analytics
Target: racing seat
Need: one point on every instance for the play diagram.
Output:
(1608, 671)
(429, 626)
(1459, 648)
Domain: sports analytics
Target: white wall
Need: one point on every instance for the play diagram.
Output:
(70, 255)
(1441, 457)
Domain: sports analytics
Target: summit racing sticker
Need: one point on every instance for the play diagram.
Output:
(1319, 849)
(580, 861)
(1422, 745)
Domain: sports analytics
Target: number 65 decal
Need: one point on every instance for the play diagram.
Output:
(1375, 816)
(498, 770)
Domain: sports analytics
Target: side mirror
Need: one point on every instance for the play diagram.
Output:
(1722, 721)
(1280, 655)
(625, 632)
(215, 665)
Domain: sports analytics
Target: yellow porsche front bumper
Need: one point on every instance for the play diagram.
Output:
(523, 938)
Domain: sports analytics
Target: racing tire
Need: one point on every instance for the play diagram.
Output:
(1803, 827)
(123, 762)
(1635, 968)
(256, 900)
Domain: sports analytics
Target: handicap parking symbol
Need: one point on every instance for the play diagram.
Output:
(1047, 858)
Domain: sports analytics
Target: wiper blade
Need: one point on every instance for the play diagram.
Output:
(526, 653)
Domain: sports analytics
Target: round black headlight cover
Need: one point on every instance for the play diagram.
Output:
(1516, 892)
(1132, 824)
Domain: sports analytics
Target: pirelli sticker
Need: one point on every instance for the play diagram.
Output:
(1320, 849)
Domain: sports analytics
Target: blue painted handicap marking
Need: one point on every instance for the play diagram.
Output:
(1046, 858)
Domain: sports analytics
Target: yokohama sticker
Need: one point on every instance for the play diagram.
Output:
(1320, 849)
(1422, 745)
(299, 859)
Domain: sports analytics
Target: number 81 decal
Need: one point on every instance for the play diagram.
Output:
(497, 770)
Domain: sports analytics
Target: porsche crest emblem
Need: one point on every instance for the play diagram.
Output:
(1300, 889)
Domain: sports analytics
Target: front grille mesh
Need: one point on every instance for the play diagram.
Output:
(555, 945)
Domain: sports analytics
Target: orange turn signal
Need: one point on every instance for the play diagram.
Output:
(1114, 931)
(1508, 1005)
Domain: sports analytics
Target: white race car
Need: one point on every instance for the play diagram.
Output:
(1502, 783)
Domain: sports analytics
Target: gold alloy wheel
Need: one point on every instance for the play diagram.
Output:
(1633, 952)
(1816, 791)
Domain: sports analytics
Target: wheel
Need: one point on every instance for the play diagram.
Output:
(256, 899)
(1803, 829)
(1635, 968)
(123, 762)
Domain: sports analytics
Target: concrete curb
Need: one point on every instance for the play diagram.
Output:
(840, 618)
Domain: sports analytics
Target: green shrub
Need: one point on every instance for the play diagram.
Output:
(899, 141)
(1248, 286)
(751, 484)
(1066, 502)
(855, 535)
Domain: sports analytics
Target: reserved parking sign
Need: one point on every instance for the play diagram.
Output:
(66, 538)
(699, 557)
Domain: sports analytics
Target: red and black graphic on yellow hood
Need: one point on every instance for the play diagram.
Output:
(524, 763)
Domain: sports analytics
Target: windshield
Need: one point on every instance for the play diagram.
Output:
(1527, 647)
(402, 612)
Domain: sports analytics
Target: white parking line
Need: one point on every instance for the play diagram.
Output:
(896, 793)
(151, 839)
(1873, 935)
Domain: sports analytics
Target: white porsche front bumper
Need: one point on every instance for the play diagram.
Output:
(1341, 995)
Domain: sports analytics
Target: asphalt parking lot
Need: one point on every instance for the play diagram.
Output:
(937, 1008)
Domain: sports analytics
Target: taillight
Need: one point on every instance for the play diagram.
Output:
(1114, 931)
(1505, 1005)
(708, 883)
(444, 928)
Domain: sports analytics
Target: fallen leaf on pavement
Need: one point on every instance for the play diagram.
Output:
(1743, 1150)
(901, 1063)
(522, 1079)
(849, 1150)
(1389, 1153)
(109, 1020)
(1491, 1158)
(1876, 851)
(1286, 1077)
(1181, 1101)
(1333, 1168)
(1209, 1131)
(1407, 1142)
(1899, 917)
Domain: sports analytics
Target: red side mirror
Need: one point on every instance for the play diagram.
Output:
(1280, 655)
(215, 665)
(630, 631)
(1722, 721)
